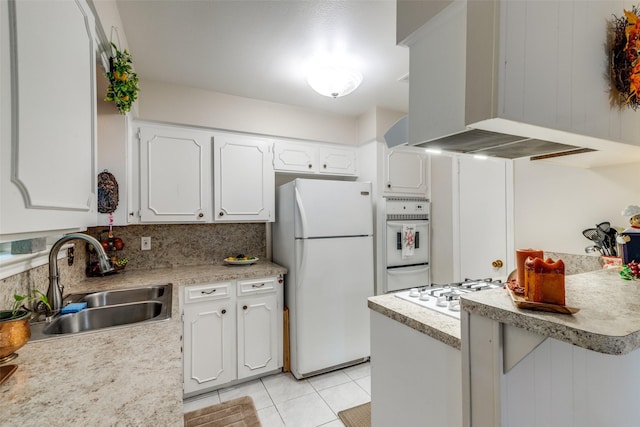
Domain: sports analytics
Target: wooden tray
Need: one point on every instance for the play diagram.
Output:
(522, 302)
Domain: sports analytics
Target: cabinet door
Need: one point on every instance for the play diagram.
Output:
(244, 180)
(48, 119)
(175, 177)
(258, 328)
(406, 172)
(295, 157)
(337, 160)
(209, 345)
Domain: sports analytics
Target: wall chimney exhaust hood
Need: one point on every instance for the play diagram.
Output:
(398, 133)
(495, 144)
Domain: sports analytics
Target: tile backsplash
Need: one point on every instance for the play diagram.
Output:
(172, 245)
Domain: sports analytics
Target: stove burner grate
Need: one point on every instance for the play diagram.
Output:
(446, 298)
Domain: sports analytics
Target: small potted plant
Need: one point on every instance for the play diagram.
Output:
(14, 324)
(123, 82)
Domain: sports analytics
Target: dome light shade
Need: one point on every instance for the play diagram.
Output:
(334, 82)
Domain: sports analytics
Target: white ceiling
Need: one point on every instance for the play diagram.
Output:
(260, 48)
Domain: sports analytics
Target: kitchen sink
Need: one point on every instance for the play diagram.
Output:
(122, 296)
(104, 317)
(109, 309)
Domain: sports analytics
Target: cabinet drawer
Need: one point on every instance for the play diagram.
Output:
(208, 292)
(257, 286)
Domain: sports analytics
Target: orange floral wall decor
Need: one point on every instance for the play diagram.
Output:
(625, 58)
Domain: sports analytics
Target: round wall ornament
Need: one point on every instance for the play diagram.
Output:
(625, 58)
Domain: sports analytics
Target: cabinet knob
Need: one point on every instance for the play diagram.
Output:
(389, 185)
(497, 263)
(324, 166)
(310, 166)
(244, 307)
(221, 214)
(200, 215)
(224, 311)
(130, 213)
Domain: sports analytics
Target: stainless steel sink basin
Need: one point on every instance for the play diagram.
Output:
(109, 309)
(122, 296)
(104, 317)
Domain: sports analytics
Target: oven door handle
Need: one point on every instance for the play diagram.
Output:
(407, 270)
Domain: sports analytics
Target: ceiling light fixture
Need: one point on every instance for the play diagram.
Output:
(334, 82)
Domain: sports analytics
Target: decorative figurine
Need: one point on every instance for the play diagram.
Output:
(630, 238)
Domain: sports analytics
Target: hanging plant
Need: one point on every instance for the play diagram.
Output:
(625, 58)
(123, 82)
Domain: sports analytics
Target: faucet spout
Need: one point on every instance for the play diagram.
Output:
(54, 292)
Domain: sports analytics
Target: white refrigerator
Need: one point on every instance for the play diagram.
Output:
(323, 235)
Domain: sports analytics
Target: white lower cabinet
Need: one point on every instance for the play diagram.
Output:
(259, 311)
(230, 336)
(208, 336)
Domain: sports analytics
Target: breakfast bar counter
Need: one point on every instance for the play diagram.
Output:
(578, 369)
(126, 376)
(608, 321)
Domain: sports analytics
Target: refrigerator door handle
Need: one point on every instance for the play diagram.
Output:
(303, 216)
(303, 261)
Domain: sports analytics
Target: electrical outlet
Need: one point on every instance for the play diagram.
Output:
(145, 243)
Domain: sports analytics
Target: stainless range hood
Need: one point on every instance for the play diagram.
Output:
(484, 142)
(494, 144)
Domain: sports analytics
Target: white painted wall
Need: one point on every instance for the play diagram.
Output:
(190, 106)
(553, 204)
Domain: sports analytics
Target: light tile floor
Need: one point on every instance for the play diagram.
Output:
(283, 401)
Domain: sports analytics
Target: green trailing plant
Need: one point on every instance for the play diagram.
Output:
(123, 82)
(35, 296)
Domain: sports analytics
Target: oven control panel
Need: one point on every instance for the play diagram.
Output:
(407, 207)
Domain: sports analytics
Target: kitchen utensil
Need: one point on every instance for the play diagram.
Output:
(592, 249)
(592, 234)
(612, 235)
(603, 230)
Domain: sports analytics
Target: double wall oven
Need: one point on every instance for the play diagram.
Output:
(406, 243)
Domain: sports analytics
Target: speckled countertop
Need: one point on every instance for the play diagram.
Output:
(129, 376)
(608, 321)
(430, 322)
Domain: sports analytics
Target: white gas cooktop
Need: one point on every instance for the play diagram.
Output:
(446, 299)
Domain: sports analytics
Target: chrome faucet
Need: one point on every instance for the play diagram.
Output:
(54, 293)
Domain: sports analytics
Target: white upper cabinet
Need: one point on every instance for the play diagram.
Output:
(337, 160)
(406, 172)
(175, 174)
(244, 180)
(314, 158)
(48, 124)
(298, 157)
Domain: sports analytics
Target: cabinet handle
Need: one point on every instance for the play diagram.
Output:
(200, 215)
(208, 292)
(224, 311)
(497, 263)
(244, 307)
(257, 286)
